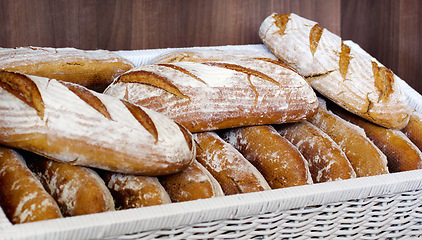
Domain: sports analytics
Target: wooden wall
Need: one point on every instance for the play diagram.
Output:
(388, 29)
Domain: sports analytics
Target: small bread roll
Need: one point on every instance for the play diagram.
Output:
(327, 162)
(205, 55)
(130, 191)
(191, 184)
(22, 196)
(365, 157)
(77, 190)
(402, 154)
(228, 166)
(413, 130)
(94, 69)
(277, 159)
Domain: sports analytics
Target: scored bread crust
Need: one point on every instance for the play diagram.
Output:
(216, 95)
(77, 190)
(327, 162)
(69, 123)
(337, 69)
(228, 166)
(94, 69)
(281, 164)
(366, 158)
(22, 196)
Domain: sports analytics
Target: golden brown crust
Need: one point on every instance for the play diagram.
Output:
(365, 157)
(193, 183)
(277, 159)
(234, 173)
(77, 190)
(413, 130)
(402, 154)
(22, 196)
(327, 162)
(130, 191)
(94, 69)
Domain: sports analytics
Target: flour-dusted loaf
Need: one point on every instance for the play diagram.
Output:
(133, 191)
(228, 166)
(216, 95)
(413, 130)
(327, 162)
(94, 69)
(340, 71)
(69, 123)
(281, 163)
(195, 182)
(205, 55)
(22, 196)
(366, 158)
(402, 154)
(77, 190)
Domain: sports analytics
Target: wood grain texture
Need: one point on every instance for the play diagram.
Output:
(388, 29)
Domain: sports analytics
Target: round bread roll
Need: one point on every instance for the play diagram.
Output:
(327, 162)
(228, 166)
(22, 196)
(413, 130)
(366, 158)
(277, 159)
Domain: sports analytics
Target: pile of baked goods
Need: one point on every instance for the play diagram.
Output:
(87, 131)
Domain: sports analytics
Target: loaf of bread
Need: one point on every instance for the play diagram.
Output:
(77, 190)
(413, 130)
(193, 183)
(277, 159)
(206, 55)
(234, 172)
(217, 95)
(402, 154)
(69, 123)
(365, 157)
(22, 196)
(94, 69)
(131, 191)
(327, 162)
(342, 72)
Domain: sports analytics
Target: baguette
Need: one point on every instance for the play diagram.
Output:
(234, 173)
(130, 191)
(327, 162)
(365, 157)
(205, 55)
(94, 69)
(402, 154)
(340, 71)
(281, 164)
(193, 183)
(77, 190)
(69, 123)
(413, 130)
(22, 196)
(218, 95)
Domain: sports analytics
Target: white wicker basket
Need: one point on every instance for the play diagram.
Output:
(379, 207)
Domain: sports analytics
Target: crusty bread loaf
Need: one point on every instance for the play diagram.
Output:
(277, 159)
(77, 190)
(327, 162)
(131, 191)
(340, 71)
(69, 123)
(94, 69)
(22, 196)
(193, 183)
(216, 95)
(228, 166)
(205, 55)
(365, 157)
(413, 130)
(402, 154)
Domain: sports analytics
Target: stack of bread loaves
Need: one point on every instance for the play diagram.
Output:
(195, 124)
